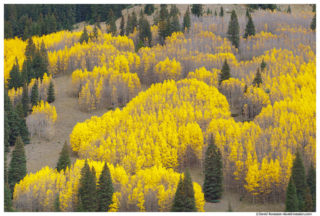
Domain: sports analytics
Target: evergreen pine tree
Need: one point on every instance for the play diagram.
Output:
(308, 204)
(25, 100)
(122, 26)
(25, 34)
(229, 207)
(263, 65)
(289, 9)
(56, 204)
(299, 174)
(139, 45)
(105, 189)
(7, 199)
(50, 93)
(156, 17)
(44, 55)
(162, 27)
(225, 72)
(15, 80)
(64, 158)
(186, 20)
(175, 25)
(39, 65)
(6, 133)
(257, 79)
(7, 102)
(14, 125)
(128, 26)
(112, 23)
(24, 73)
(233, 29)
(250, 29)
(168, 31)
(84, 36)
(184, 200)
(314, 8)
(196, 9)
(311, 182)
(291, 198)
(18, 164)
(213, 180)
(24, 133)
(87, 194)
(313, 24)
(215, 13)
(221, 12)
(19, 110)
(247, 13)
(98, 22)
(300, 203)
(133, 21)
(95, 31)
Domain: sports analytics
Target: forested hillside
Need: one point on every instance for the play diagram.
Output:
(227, 91)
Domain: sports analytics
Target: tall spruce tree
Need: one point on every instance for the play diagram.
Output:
(50, 93)
(263, 65)
(24, 72)
(250, 29)
(139, 45)
(184, 200)
(313, 24)
(162, 27)
(168, 31)
(7, 198)
(225, 72)
(196, 9)
(128, 26)
(213, 179)
(308, 203)
(291, 202)
(247, 13)
(84, 36)
(23, 130)
(122, 26)
(56, 204)
(215, 13)
(300, 203)
(64, 158)
(6, 133)
(25, 100)
(7, 102)
(105, 189)
(229, 207)
(314, 8)
(112, 23)
(175, 25)
(186, 21)
(299, 174)
(14, 125)
(15, 80)
(87, 193)
(289, 9)
(18, 164)
(19, 110)
(156, 17)
(133, 21)
(233, 29)
(39, 65)
(311, 182)
(34, 95)
(257, 79)
(221, 12)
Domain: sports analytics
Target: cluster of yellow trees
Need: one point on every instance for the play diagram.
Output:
(104, 87)
(16, 95)
(151, 189)
(41, 120)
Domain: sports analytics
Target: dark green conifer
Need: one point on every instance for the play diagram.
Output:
(196, 9)
(25, 100)
(128, 26)
(112, 23)
(95, 31)
(6, 133)
(156, 17)
(168, 31)
(98, 22)
(84, 36)
(233, 29)
(139, 45)
(64, 158)
(213, 179)
(308, 203)
(34, 95)
(263, 65)
(105, 189)
(87, 194)
(300, 203)
(250, 29)
(133, 21)
(57, 204)
(184, 200)
(247, 13)
(186, 20)
(289, 9)
(50, 93)
(44, 55)
(299, 174)
(291, 203)
(14, 125)
(15, 80)
(7, 198)
(221, 12)
(24, 133)
(24, 73)
(18, 164)
(314, 8)
(162, 27)
(215, 13)
(229, 207)
(122, 26)
(313, 24)
(7, 102)
(175, 25)
(5, 168)
(19, 110)
(311, 182)
(257, 79)
(225, 72)
(39, 65)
